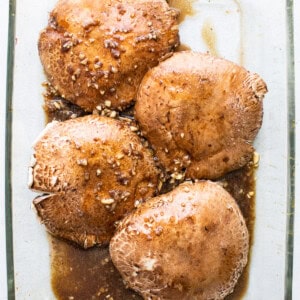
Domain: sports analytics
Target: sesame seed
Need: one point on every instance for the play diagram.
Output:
(120, 156)
(225, 184)
(84, 62)
(182, 135)
(98, 172)
(114, 70)
(149, 24)
(186, 189)
(99, 107)
(113, 114)
(81, 56)
(107, 201)
(177, 176)
(102, 92)
(54, 180)
(107, 103)
(82, 162)
(57, 105)
(133, 128)
(256, 158)
(160, 184)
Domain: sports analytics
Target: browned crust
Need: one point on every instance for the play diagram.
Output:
(94, 51)
(93, 170)
(191, 243)
(200, 113)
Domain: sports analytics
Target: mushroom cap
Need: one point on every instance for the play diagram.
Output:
(191, 243)
(200, 113)
(92, 170)
(94, 51)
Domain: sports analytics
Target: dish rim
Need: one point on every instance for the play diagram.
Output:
(290, 201)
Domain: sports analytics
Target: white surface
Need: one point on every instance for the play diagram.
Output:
(264, 52)
(264, 38)
(296, 281)
(3, 51)
(31, 252)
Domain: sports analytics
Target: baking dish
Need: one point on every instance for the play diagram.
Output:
(254, 34)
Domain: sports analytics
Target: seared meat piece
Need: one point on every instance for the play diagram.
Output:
(93, 170)
(98, 51)
(200, 113)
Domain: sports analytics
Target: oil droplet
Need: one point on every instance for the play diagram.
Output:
(185, 7)
(209, 37)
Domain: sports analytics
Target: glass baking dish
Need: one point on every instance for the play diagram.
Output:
(255, 34)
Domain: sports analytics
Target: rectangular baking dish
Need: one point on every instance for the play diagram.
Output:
(256, 34)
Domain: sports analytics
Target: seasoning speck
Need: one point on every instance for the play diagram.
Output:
(108, 201)
(82, 162)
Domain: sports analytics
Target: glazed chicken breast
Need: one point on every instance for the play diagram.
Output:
(94, 51)
(92, 170)
(200, 114)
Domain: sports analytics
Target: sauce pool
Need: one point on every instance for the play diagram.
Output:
(185, 7)
(90, 274)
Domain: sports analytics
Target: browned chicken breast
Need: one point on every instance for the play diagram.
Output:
(96, 52)
(93, 170)
(200, 113)
(191, 243)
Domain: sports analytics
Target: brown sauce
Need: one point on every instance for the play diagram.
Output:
(183, 47)
(85, 274)
(90, 274)
(241, 185)
(209, 37)
(185, 7)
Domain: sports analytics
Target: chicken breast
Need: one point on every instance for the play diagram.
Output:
(191, 243)
(93, 170)
(95, 51)
(201, 114)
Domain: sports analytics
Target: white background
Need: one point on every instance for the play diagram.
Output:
(3, 47)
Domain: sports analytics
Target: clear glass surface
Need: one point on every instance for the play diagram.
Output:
(256, 34)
